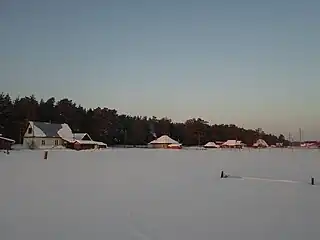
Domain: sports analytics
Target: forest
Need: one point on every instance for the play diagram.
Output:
(109, 126)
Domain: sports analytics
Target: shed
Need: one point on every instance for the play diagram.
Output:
(6, 143)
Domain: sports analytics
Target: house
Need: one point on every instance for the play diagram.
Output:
(232, 144)
(50, 135)
(260, 143)
(211, 145)
(163, 142)
(6, 143)
(46, 135)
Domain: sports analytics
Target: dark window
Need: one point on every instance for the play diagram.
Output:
(29, 130)
(43, 142)
(56, 142)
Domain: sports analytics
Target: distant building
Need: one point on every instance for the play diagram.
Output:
(232, 144)
(311, 144)
(211, 145)
(164, 142)
(260, 143)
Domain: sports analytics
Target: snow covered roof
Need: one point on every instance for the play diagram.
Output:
(232, 143)
(7, 139)
(165, 139)
(90, 142)
(261, 142)
(44, 129)
(211, 144)
(80, 136)
(85, 142)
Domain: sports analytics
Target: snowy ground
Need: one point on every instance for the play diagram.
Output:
(146, 194)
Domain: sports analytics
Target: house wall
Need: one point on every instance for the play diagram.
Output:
(5, 144)
(160, 145)
(48, 142)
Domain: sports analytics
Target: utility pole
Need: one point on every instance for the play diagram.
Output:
(125, 137)
(289, 138)
(300, 136)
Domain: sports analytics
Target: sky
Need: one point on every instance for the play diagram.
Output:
(251, 63)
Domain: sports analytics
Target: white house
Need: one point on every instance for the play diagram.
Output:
(49, 135)
(46, 135)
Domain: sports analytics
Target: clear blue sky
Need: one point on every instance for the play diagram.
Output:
(248, 62)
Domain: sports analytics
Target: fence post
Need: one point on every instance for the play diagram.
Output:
(45, 155)
(312, 180)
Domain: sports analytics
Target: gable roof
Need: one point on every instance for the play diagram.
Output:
(165, 139)
(261, 142)
(80, 136)
(44, 129)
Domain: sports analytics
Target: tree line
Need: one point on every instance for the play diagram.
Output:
(113, 128)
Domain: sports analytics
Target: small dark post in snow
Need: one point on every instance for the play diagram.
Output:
(222, 174)
(46, 155)
(312, 180)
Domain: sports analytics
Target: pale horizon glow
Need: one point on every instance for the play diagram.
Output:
(249, 63)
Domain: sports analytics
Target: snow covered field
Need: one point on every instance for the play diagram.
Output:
(146, 194)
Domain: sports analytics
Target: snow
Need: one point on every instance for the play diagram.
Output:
(159, 194)
(65, 131)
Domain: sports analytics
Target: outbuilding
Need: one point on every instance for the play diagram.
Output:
(6, 143)
(163, 142)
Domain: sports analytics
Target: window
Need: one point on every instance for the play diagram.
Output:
(43, 142)
(56, 142)
(29, 130)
